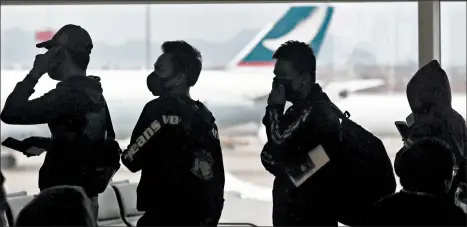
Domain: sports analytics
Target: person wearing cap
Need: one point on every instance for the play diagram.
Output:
(425, 172)
(75, 110)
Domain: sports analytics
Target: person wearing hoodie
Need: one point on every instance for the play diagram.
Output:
(75, 110)
(425, 173)
(175, 144)
(429, 96)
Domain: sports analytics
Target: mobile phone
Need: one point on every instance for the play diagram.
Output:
(275, 83)
(53, 57)
(410, 120)
(403, 129)
(21, 146)
(15, 144)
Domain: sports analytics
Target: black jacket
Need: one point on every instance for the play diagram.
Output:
(405, 209)
(176, 145)
(74, 107)
(429, 96)
(3, 202)
(304, 126)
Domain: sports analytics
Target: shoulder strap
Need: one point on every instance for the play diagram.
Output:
(342, 115)
(109, 130)
(108, 123)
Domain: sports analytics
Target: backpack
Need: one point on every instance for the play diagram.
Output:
(102, 159)
(364, 171)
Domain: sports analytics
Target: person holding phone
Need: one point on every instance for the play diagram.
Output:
(429, 96)
(75, 111)
(303, 127)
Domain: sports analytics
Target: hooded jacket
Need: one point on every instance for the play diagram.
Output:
(75, 107)
(429, 96)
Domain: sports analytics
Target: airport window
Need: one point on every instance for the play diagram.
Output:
(453, 44)
(351, 40)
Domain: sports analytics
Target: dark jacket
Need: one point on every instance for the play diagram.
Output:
(3, 202)
(304, 126)
(176, 145)
(429, 96)
(406, 209)
(75, 112)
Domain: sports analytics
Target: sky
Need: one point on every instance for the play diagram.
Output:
(387, 30)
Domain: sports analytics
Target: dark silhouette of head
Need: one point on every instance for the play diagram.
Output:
(295, 68)
(427, 166)
(176, 70)
(70, 50)
(58, 206)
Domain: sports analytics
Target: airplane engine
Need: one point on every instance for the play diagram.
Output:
(262, 134)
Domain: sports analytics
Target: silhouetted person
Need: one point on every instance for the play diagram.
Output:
(429, 96)
(304, 126)
(58, 206)
(175, 143)
(425, 172)
(3, 202)
(75, 112)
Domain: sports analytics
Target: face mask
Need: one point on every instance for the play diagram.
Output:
(290, 93)
(157, 85)
(54, 65)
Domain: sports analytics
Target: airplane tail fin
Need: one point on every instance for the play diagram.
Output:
(308, 24)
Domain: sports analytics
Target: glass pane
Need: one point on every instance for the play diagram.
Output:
(453, 44)
(352, 41)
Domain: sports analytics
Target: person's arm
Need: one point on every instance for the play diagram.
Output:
(149, 120)
(321, 127)
(278, 134)
(272, 166)
(215, 187)
(19, 110)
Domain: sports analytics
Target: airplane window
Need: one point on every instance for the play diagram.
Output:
(366, 53)
(453, 44)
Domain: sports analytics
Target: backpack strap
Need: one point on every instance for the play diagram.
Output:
(341, 115)
(108, 122)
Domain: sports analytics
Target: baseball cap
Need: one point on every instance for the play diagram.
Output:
(71, 36)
